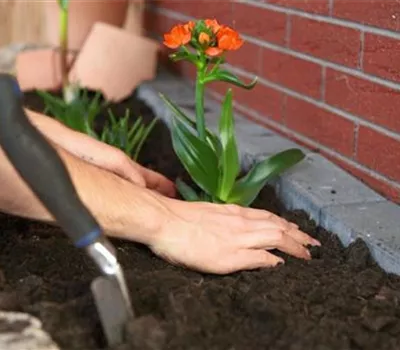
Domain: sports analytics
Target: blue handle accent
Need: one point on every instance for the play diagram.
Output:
(88, 239)
(17, 89)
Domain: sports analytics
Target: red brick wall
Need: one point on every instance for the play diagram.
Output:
(329, 74)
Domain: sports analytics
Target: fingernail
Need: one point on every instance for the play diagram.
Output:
(316, 242)
(308, 254)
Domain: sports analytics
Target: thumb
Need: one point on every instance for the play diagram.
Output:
(130, 172)
(158, 182)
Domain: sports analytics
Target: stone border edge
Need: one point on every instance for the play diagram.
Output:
(337, 201)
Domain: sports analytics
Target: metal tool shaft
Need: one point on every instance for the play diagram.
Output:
(103, 254)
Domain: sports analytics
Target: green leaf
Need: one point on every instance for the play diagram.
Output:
(188, 193)
(211, 139)
(247, 188)
(144, 137)
(228, 77)
(93, 109)
(63, 4)
(197, 157)
(229, 156)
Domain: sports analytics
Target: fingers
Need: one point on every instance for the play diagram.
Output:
(274, 239)
(250, 259)
(263, 219)
(128, 170)
(303, 238)
(156, 181)
(258, 214)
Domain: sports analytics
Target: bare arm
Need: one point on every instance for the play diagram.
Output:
(120, 207)
(100, 154)
(202, 236)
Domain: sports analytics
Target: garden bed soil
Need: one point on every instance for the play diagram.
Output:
(340, 300)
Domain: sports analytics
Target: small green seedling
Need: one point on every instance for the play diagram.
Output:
(80, 115)
(128, 139)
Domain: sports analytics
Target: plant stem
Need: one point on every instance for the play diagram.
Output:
(199, 97)
(63, 54)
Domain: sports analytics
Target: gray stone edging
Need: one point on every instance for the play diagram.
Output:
(20, 330)
(336, 200)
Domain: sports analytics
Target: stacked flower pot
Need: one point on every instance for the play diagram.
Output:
(106, 49)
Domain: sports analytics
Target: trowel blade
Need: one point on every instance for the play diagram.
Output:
(112, 308)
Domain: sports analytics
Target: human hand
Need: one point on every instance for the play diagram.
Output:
(101, 154)
(221, 239)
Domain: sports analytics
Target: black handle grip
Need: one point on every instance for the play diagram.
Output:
(41, 167)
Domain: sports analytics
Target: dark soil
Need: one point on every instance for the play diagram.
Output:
(340, 300)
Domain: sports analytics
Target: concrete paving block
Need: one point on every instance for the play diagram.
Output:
(175, 91)
(316, 183)
(376, 223)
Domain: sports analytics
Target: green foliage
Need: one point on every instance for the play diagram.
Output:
(119, 134)
(81, 113)
(212, 160)
(78, 115)
(214, 164)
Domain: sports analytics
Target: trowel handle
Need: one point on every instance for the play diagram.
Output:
(39, 165)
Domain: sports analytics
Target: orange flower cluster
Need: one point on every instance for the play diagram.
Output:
(216, 40)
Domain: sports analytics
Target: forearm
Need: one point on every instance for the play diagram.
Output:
(121, 208)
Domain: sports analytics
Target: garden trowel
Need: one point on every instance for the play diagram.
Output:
(44, 172)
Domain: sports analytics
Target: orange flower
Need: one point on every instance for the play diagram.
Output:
(214, 51)
(178, 36)
(213, 25)
(204, 38)
(189, 25)
(228, 39)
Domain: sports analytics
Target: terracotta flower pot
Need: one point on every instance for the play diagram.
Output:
(114, 61)
(82, 15)
(135, 17)
(39, 69)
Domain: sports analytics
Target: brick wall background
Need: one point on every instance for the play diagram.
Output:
(329, 74)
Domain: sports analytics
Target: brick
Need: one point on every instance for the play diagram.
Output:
(382, 56)
(200, 9)
(292, 72)
(368, 100)
(379, 152)
(320, 125)
(247, 58)
(379, 13)
(157, 23)
(260, 23)
(262, 99)
(312, 6)
(386, 189)
(324, 40)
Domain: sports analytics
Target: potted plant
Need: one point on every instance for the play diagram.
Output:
(111, 59)
(212, 160)
(82, 16)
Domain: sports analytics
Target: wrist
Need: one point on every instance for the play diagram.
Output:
(137, 214)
